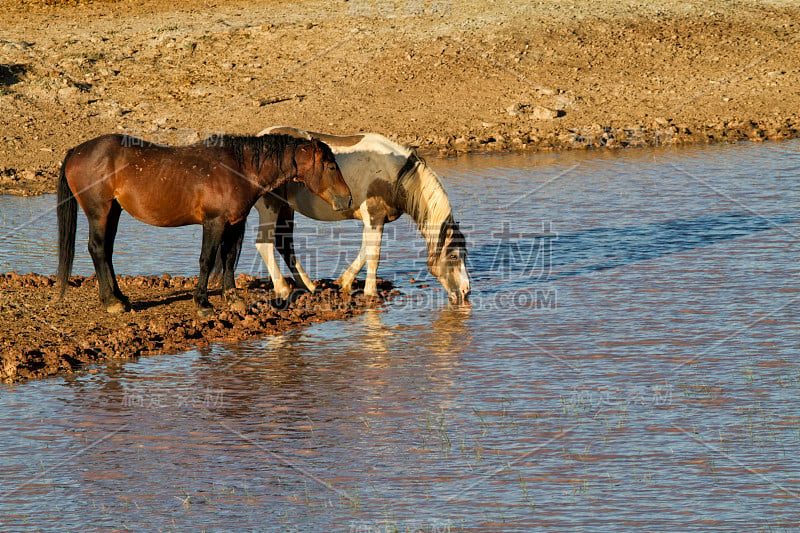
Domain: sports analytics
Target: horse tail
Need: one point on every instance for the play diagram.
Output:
(67, 212)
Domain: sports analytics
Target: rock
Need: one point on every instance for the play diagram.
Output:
(563, 101)
(515, 109)
(543, 113)
(68, 94)
(201, 91)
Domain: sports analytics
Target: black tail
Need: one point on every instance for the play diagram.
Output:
(67, 210)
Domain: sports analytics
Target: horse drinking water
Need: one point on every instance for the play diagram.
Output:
(210, 183)
(386, 179)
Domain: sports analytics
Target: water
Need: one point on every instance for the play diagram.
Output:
(630, 362)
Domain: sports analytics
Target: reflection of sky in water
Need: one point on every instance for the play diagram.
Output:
(660, 394)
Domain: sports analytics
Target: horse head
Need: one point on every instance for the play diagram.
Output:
(447, 262)
(317, 169)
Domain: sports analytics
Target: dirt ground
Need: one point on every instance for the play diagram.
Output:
(40, 336)
(448, 76)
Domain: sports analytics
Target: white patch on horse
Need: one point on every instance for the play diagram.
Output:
(465, 283)
(373, 142)
(279, 285)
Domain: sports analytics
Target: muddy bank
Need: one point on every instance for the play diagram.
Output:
(41, 336)
(448, 77)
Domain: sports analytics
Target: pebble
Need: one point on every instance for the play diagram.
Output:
(543, 113)
(515, 109)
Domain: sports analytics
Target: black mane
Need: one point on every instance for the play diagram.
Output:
(457, 238)
(408, 167)
(261, 147)
(409, 205)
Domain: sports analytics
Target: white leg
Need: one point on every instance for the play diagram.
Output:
(372, 242)
(303, 278)
(267, 251)
(345, 281)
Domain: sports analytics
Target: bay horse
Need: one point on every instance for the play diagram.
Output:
(214, 183)
(386, 180)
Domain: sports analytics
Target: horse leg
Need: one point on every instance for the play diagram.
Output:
(284, 240)
(212, 237)
(345, 281)
(230, 249)
(373, 234)
(267, 217)
(111, 234)
(101, 226)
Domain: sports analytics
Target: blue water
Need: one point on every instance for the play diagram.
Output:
(630, 362)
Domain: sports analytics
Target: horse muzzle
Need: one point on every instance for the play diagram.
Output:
(342, 201)
(460, 296)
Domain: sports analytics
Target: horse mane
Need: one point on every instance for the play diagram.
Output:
(262, 148)
(425, 200)
(457, 238)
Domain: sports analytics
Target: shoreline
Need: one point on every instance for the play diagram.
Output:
(44, 180)
(462, 77)
(41, 336)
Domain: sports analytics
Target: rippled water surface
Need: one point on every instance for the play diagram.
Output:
(630, 362)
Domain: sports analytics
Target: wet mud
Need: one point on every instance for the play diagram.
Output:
(41, 335)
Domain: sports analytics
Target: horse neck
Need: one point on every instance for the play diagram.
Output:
(269, 178)
(426, 202)
(264, 171)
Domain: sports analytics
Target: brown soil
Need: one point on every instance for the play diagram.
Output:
(41, 336)
(446, 75)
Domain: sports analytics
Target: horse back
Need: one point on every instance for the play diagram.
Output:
(159, 185)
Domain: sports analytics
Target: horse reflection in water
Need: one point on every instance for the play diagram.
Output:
(376, 335)
(386, 179)
(368, 366)
(449, 333)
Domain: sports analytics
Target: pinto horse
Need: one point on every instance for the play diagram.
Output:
(386, 179)
(214, 183)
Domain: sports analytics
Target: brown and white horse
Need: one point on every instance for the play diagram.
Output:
(386, 180)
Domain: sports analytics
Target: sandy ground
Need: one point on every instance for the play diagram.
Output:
(446, 75)
(42, 336)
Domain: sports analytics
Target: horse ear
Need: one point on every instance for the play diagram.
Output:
(304, 159)
(319, 163)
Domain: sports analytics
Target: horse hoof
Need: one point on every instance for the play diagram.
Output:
(116, 308)
(282, 293)
(344, 289)
(204, 312)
